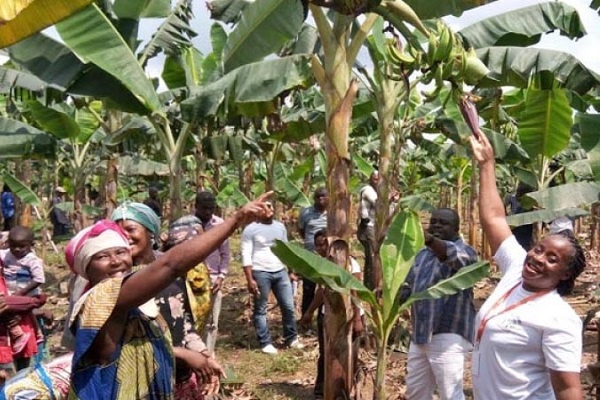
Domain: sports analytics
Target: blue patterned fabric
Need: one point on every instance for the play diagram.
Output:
(450, 314)
(141, 366)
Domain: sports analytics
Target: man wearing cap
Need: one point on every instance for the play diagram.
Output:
(217, 262)
(59, 219)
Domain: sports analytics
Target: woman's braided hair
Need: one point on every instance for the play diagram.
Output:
(576, 263)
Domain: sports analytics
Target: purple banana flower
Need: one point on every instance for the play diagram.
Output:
(469, 113)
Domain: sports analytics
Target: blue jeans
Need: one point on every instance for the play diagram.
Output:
(280, 283)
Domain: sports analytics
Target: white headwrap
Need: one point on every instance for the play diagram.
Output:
(90, 241)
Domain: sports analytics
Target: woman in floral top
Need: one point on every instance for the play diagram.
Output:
(142, 227)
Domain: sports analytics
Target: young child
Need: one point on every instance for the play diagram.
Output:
(23, 273)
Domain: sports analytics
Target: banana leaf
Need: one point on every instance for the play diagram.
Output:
(227, 11)
(307, 40)
(53, 121)
(20, 19)
(265, 26)
(524, 26)
(21, 190)
(427, 9)
(218, 41)
(545, 126)
(321, 271)
(363, 166)
(589, 126)
(57, 66)
(19, 140)
(48, 60)
(230, 195)
(403, 241)
(235, 94)
(536, 216)
(173, 34)
(463, 279)
(136, 166)
(91, 35)
(12, 78)
(136, 9)
(287, 188)
(513, 66)
(416, 202)
(569, 195)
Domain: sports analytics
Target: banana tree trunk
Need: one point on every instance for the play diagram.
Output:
(338, 336)
(388, 99)
(176, 209)
(339, 93)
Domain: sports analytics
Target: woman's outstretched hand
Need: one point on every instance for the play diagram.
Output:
(255, 210)
(482, 149)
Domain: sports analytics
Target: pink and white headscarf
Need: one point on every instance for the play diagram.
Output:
(104, 234)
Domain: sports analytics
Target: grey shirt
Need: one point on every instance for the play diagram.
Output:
(311, 221)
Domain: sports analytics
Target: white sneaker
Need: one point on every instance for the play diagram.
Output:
(269, 349)
(296, 345)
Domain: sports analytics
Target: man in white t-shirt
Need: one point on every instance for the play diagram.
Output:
(265, 272)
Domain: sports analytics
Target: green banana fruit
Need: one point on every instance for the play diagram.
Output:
(446, 43)
(397, 56)
(432, 46)
(475, 69)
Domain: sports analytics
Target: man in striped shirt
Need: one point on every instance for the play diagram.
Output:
(442, 329)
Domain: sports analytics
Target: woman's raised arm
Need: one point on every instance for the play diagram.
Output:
(491, 207)
(149, 281)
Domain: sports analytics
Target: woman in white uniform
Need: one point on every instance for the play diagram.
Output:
(527, 339)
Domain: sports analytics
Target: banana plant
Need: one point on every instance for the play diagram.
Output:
(400, 247)
(75, 128)
(42, 211)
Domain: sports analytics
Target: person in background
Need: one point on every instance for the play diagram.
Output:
(8, 208)
(562, 224)
(528, 339)
(59, 219)
(322, 249)
(312, 219)
(175, 302)
(367, 200)
(265, 272)
(153, 201)
(442, 329)
(217, 262)
(11, 308)
(198, 283)
(23, 273)
(523, 233)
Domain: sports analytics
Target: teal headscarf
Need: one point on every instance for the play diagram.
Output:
(140, 213)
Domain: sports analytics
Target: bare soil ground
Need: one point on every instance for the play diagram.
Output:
(290, 374)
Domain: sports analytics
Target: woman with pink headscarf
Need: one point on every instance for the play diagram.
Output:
(121, 348)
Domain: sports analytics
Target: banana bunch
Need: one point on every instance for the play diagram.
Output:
(468, 67)
(402, 59)
(441, 45)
